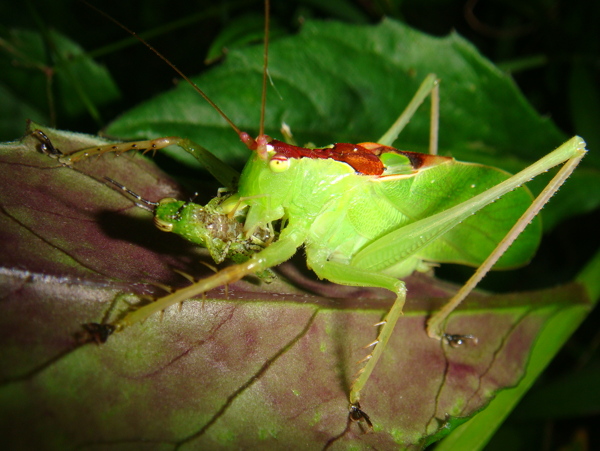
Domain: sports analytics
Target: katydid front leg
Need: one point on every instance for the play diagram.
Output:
(278, 252)
(224, 173)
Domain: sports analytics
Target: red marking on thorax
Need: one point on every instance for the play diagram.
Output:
(363, 157)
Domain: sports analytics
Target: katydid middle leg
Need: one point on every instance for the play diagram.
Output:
(345, 274)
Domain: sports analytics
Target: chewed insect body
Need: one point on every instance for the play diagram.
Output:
(207, 226)
(222, 234)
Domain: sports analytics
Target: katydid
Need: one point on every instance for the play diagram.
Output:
(370, 215)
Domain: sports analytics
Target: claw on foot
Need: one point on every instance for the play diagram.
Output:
(98, 333)
(456, 340)
(359, 416)
(46, 145)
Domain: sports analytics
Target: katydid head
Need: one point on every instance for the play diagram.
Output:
(185, 218)
(167, 214)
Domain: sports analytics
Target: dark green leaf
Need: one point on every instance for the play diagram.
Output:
(45, 76)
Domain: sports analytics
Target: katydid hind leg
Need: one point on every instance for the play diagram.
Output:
(364, 265)
(572, 152)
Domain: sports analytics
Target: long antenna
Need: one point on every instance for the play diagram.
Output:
(263, 102)
(175, 68)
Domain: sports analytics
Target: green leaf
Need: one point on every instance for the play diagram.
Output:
(256, 370)
(47, 76)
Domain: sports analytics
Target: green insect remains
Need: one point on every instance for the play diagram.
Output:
(364, 214)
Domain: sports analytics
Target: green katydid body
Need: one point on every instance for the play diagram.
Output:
(366, 228)
(373, 229)
(341, 212)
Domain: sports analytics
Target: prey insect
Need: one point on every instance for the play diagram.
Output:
(366, 215)
(221, 234)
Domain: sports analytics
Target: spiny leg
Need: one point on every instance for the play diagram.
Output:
(354, 276)
(573, 151)
(221, 171)
(379, 345)
(278, 252)
(118, 148)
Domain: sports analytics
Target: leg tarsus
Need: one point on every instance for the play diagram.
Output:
(95, 332)
(456, 340)
(357, 415)
(46, 145)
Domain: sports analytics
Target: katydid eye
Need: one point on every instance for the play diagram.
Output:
(159, 217)
(279, 163)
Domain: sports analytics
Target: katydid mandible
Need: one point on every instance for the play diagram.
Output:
(366, 215)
